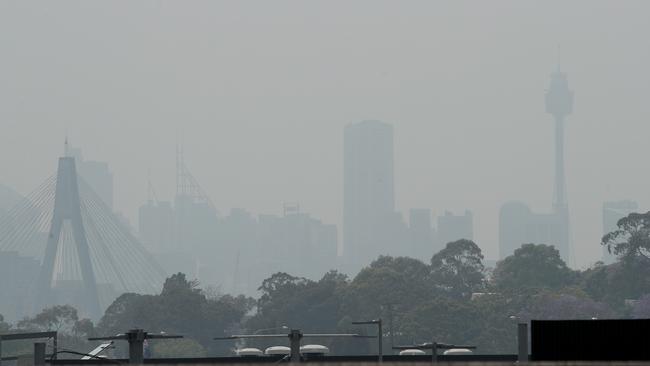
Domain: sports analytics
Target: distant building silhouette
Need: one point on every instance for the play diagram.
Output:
(156, 226)
(238, 251)
(519, 225)
(295, 243)
(235, 252)
(370, 225)
(421, 234)
(96, 173)
(17, 276)
(454, 227)
(248, 249)
(195, 223)
(612, 212)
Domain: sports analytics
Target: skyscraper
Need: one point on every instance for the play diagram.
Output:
(368, 192)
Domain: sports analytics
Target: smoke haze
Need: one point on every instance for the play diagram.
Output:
(259, 94)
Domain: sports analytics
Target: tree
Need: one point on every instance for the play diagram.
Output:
(279, 286)
(399, 282)
(531, 268)
(444, 320)
(129, 311)
(298, 302)
(72, 331)
(617, 282)
(498, 331)
(631, 241)
(181, 308)
(170, 348)
(570, 303)
(4, 327)
(458, 268)
(595, 281)
(61, 318)
(182, 304)
(641, 308)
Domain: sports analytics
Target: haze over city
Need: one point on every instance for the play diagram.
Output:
(462, 178)
(259, 96)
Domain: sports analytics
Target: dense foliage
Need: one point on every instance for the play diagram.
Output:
(454, 298)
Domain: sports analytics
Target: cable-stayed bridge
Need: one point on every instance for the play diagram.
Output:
(88, 255)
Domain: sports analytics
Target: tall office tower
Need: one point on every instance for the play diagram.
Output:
(421, 234)
(612, 212)
(368, 193)
(559, 103)
(455, 227)
(95, 173)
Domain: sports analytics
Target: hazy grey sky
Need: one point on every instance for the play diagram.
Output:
(260, 92)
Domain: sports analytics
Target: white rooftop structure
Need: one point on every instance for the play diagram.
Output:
(249, 352)
(277, 350)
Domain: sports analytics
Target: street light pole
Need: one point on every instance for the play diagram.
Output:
(380, 336)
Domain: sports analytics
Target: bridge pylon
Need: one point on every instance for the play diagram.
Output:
(67, 209)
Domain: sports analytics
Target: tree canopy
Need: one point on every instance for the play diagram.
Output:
(631, 241)
(458, 268)
(181, 308)
(532, 267)
(451, 299)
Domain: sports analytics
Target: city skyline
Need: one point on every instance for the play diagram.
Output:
(262, 124)
(403, 216)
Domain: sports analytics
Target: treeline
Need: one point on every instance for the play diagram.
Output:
(453, 298)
